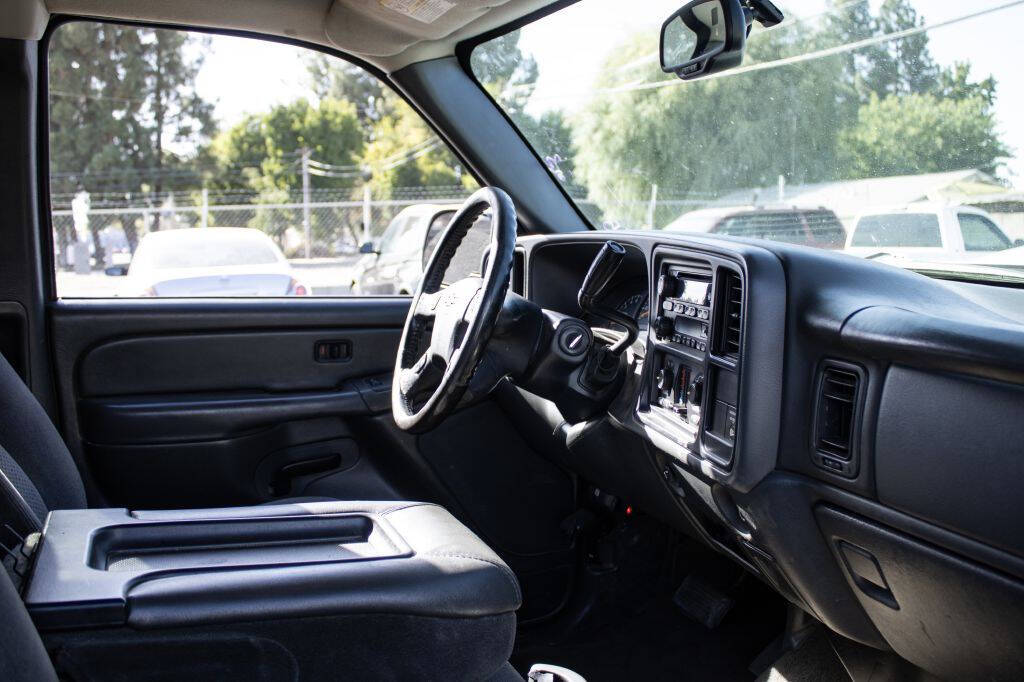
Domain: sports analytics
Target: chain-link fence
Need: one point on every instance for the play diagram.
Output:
(330, 224)
(319, 232)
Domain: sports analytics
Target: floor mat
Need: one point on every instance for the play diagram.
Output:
(815, 661)
(638, 633)
(661, 643)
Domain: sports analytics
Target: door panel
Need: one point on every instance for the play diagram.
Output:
(196, 403)
(274, 360)
(203, 403)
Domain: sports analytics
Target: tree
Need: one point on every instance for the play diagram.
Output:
(119, 97)
(338, 79)
(405, 152)
(696, 139)
(551, 135)
(502, 69)
(921, 133)
(263, 152)
(179, 114)
(809, 121)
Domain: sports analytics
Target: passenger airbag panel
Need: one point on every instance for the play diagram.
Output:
(948, 450)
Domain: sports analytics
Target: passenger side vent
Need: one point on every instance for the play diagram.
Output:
(732, 315)
(836, 412)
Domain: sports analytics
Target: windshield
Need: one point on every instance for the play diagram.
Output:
(839, 120)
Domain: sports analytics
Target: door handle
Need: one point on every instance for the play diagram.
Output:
(281, 484)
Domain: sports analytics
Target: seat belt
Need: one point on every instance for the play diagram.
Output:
(20, 528)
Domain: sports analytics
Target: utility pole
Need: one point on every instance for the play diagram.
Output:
(367, 212)
(204, 214)
(651, 205)
(305, 199)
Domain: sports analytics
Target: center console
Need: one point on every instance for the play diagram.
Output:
(321, 590)
(694, 358)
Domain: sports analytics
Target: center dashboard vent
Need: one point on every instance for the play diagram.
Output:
(731, 320)
(835, 422)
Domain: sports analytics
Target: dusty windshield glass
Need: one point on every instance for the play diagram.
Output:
(885, 128)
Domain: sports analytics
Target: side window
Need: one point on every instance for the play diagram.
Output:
(437, 225)
(188, 164)
(981, 234)
(898, 230)
(389, 241)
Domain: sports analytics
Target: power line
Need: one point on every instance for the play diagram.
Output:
(796, 59)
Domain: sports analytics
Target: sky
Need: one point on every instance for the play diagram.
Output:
(244, 75)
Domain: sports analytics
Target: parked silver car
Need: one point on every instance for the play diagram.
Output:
(212, 261)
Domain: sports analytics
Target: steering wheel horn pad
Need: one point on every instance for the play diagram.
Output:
(460, 318)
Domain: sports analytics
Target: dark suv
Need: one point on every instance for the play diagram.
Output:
(817, 227)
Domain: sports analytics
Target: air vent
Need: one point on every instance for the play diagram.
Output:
(837, 409)
(518, 271)
(732, 315)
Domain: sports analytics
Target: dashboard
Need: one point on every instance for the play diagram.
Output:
(847, 431)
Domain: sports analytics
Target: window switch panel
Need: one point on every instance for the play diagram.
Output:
(332, 351)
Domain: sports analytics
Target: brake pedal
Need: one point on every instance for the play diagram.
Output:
(702, 601)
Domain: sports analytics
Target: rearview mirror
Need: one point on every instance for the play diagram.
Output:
(708, 36)
(367, 247)
(116, 271)
(703, 37)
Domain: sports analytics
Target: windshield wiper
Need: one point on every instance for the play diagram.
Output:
(983, 274)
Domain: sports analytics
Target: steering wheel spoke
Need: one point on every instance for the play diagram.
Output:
(426, 304)
(422, 378)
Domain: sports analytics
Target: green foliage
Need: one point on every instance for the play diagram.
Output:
(406, 153)
(920, 133)
(265, 151)
(267, 147)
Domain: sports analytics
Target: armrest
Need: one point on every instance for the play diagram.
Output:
(174, 568)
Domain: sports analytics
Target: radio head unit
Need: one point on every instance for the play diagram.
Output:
(693, 388)
(684, 308)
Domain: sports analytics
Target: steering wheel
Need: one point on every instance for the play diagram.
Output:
(431, 376)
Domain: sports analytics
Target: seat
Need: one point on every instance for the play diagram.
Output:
(37, 472)
(303, 589)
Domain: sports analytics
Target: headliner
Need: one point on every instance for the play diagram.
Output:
(368, 29)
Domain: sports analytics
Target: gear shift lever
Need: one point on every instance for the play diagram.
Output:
(601, 271)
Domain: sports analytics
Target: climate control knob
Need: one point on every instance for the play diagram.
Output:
(663, 327)
(662, 380)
